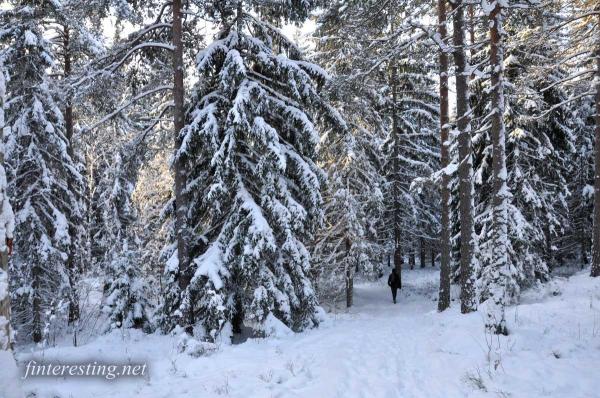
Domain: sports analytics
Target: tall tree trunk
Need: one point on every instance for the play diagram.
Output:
(349, 275)
(582, 243)
(398, 257)
(68, 115)
(445, 244)
(5, 298)
(181, 228)
(5, 302)
(36, 304)
(596, 244)
(499, 296)
(465, 169)
(432, 256)
(549, 256)
(422, 254)
(411, 257)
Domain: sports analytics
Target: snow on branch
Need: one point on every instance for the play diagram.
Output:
(128, 104)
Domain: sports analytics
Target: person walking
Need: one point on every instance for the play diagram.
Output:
(395, 283)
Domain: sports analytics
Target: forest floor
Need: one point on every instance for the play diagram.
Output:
(376, 349)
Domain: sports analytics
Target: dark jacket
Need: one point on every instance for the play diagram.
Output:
(394, 280)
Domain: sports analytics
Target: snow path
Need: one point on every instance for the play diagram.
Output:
(377, 349)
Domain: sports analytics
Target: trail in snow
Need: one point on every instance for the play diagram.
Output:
(377, 349)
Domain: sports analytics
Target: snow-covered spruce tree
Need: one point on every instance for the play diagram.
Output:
(498, 280)
(576, 243)
(74, 42)
(126, 303)
(7, 226)
(539, 192)
(383, 86)
(10, 381)
(349, 241)
(351, 238)
(411, 150)
(117, 213)
(537, 206)
(39, 168)
(468, 240)
(126, 293)
(582, 33)
(254, 190)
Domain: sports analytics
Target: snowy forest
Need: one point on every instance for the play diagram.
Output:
(226, 190)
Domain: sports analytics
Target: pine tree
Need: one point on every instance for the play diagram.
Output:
(445, 240)
(353, 204)
(387, 88)
(7, 226)
(468, 266)
(576, 242)
(496, 274)
(351, 239)
(40, 167)
(126, 302)
(254, 189)
(596, 235)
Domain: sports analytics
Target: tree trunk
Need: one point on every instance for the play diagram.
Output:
(181, 229)
(349, 275)
(445, 244)
(411, 257)
(36, 305)
(471, 12)
(582, 243)
(496, 317)
(465, 169)
(596, 244)
(398, 257)
(422, 254)
(548, 241)
(432, 256)
(68, 115)
(5, 307)
(4, 300)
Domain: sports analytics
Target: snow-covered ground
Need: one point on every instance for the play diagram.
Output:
(376, 349)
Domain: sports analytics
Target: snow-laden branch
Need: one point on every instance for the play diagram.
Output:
(128, 104)
(574, 19)
(116, 66)
(566, 79)
(567, 101)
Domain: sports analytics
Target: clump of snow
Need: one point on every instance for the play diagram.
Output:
(588, 192)
(3, 284)
(210, 264)
(190, 346)
(10, 379)
(273, 327)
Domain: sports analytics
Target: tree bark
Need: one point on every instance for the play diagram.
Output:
(596, 234)
(349, 275)
(68, 116)
(422, 253)
(398, 257)
(445, 244)
(36, 304)
(4, 301)
(465, 169)
(496, 319)
(472, 31)
(181, 228)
